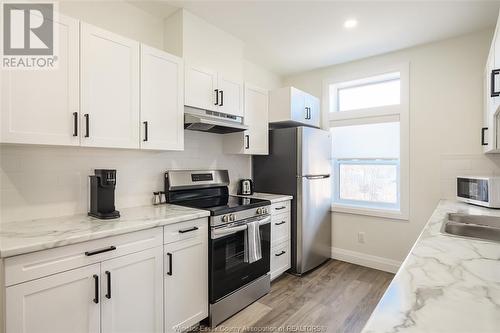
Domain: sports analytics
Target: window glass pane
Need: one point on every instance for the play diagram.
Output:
(369, 95)
(379, 140)
(376, 183)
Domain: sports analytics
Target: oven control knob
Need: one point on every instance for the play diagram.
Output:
(259, 211)
(232, 217)
(225, 218)
(264, 210)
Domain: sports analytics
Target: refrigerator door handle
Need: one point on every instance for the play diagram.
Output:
(317, 176)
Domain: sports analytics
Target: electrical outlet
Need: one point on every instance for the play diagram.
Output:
(361, 237)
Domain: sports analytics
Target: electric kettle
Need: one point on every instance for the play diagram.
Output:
(246, 187)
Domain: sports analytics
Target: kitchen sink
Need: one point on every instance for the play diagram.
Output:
(472, 226)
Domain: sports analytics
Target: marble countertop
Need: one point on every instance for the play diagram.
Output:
(274, 198)
(446, 284)
(33, 235)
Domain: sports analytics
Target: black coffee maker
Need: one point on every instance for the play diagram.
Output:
(102, 194)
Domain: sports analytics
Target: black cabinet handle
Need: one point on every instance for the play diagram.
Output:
(310, 114)
(169, 263)
(494, 92)
(145, 131)
(96, 288)
(280, 223)
(280, 208)
(75, 123)
(92, 253)
(216, 96)
(87, 123)
(108, 276)
(247, 137)
(221, 98)
(280, 254)
(483, 139)
(183, 231)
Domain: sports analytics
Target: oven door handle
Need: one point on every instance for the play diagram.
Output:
(218, 233)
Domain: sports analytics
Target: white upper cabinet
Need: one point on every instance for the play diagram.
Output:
(208, 90)
(490, 132)
(109, 89)
(132, 292)
(59, 303)
(253, 141)
(162, 100)
(293, 106)
(231, 96)
(200, 88)
(42, 106)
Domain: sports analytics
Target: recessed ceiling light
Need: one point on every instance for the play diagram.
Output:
(351, 23)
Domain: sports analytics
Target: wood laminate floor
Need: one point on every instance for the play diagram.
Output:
(336, 297)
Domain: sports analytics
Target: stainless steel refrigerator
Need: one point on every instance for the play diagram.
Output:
(299, 164)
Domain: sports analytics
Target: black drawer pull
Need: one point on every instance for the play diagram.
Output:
(216, 97)
(280, 223)
(92, 253)
(145, 131)
(280, 254)
(108, 275)
(169, 263)
(183, 231)
(96, 289)
(221, 98)
(280, 208)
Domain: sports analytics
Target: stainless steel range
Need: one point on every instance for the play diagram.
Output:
(240, 237)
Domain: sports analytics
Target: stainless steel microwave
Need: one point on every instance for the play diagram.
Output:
(482, 191)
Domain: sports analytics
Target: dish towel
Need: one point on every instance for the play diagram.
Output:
(253, 251)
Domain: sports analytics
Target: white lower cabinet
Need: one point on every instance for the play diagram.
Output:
(186, 278)
(132, 292)
(280, 238)
(59, 303)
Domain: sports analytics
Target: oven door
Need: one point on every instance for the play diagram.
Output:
(228, 269)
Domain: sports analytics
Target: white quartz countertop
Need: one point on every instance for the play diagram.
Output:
(446, 284)
(274, 198)
(33, 235)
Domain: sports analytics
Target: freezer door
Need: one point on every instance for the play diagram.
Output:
(314, 231)
(313, 151)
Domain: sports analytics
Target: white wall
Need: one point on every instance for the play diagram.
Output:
(37, 182)
(446, 92)
(119, 17)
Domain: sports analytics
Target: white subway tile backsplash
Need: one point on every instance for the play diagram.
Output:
(42, 181)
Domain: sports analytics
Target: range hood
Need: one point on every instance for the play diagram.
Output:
(211, 121)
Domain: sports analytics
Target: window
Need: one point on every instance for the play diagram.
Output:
(369, 127)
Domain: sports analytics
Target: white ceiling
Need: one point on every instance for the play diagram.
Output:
(294, 36)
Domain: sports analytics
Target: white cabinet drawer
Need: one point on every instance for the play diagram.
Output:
(280, 207)
(185, 230)
(42, 263)
(280, 228)
(280, 259)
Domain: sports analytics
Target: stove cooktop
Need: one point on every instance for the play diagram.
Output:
(224, 205)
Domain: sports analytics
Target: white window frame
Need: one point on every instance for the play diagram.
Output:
(380, 114)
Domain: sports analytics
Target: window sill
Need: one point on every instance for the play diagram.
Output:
(390, 214)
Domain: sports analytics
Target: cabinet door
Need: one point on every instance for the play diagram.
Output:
(109, 89)
(488, 131)
(59, 303)
(40, 106)
(298, 105)
(162, 108)
(132, 292)
(230, 96)
(256, 117)
(200, 88)
(313, 103)
(186, 283)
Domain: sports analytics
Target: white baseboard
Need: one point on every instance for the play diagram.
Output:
(367, 260)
